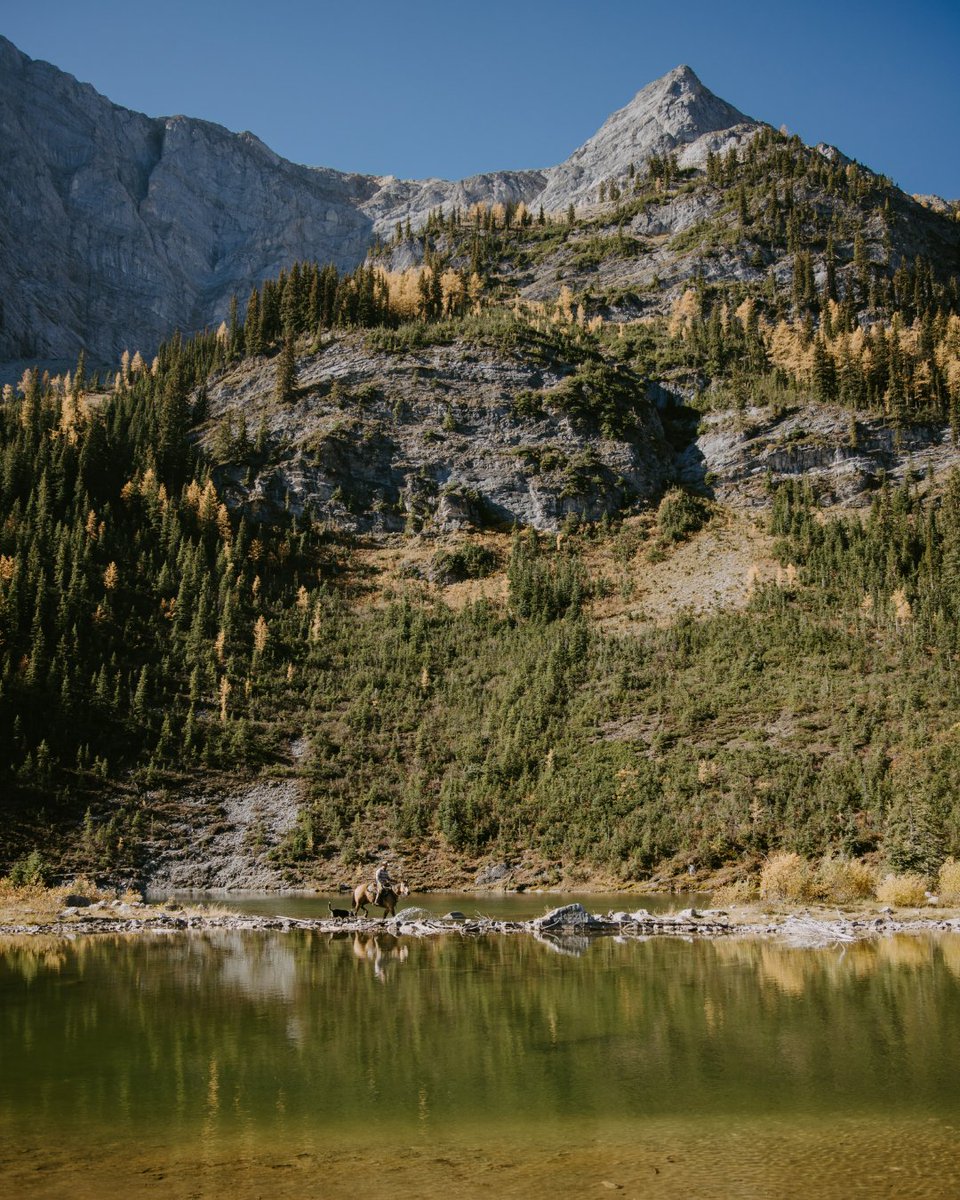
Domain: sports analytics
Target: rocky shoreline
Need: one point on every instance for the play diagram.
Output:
(571, 921)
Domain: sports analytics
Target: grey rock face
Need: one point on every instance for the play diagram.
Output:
(375, 442)
(741, 451)
(494, 874)
(398, 199)
(222, 840)
(116, 228)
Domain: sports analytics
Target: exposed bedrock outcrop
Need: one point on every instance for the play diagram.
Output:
(377, 442)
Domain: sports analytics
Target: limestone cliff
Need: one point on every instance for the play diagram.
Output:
(116, 227)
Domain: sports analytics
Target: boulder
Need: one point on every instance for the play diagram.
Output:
(495, 873)
(569, 916)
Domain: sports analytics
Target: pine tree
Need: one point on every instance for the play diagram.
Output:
(252, 342)
(234, 332)
(286, 372)
(824, 383)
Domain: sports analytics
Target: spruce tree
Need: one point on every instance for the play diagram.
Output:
(286, 371)
(252, 342)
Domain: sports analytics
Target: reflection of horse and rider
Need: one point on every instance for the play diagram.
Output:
(381, 951)
(383, 893)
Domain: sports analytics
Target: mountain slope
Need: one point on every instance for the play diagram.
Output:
(135, 222)
(132, 226)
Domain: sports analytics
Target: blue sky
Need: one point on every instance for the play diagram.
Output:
(443, 88)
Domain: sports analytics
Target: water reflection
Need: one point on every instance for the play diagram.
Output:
(381, 951)
(301, 1040)
(573, 945)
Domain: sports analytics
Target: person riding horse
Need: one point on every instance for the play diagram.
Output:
(383, 892)
(381, 881)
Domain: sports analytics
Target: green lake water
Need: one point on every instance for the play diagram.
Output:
(301, 1064)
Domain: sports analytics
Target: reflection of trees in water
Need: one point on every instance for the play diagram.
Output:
(950, 953)
(256, 970)
(223, 1025)
(793, 970)
(28, 956)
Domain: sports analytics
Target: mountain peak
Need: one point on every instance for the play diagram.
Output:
(682, 89)
(147, 196)
(683, 73)
(676, 113)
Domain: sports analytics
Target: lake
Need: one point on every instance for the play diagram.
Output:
(304, 1064)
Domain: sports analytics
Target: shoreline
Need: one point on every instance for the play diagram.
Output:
(802, 927)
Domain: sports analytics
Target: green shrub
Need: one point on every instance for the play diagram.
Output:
(605, 395)
(29, 870)
(471, 561)
(681, 514)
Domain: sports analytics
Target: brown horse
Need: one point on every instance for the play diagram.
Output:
(366, 893)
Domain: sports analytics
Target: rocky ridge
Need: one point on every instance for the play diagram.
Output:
(134, 225)
(741, 454)
(444, 439)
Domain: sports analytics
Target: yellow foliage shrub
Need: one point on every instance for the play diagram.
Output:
(740, 891)
(902, 891)
(948, 882)
(787, 877)
(842, 880)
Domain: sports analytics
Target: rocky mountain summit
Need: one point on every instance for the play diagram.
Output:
(132, 226)
(674, 114)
